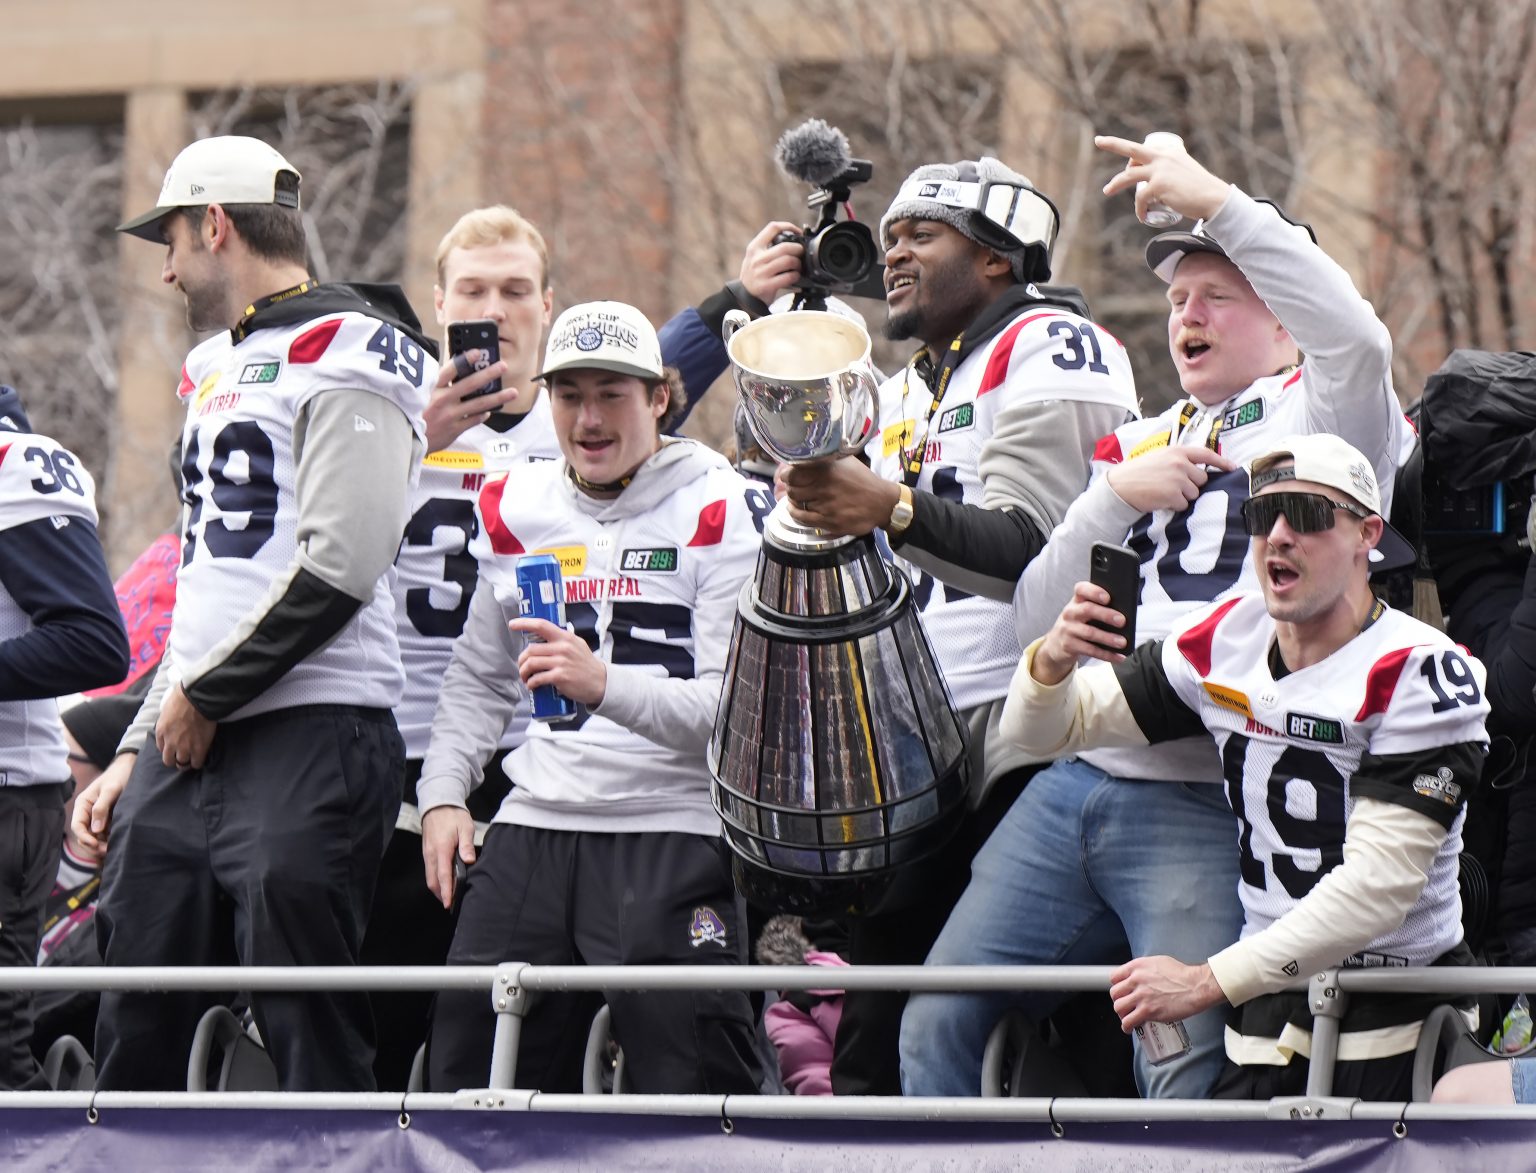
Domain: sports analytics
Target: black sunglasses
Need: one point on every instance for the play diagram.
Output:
(1306, 513)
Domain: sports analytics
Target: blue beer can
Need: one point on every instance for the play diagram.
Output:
(542, 587)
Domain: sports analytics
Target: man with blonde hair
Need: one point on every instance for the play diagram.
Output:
(492, 265)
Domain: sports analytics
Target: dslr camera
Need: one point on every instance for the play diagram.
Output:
(841, 256)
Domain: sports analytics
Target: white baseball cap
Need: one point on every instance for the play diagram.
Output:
(229, 169)
(1326, 459)
(603, 336)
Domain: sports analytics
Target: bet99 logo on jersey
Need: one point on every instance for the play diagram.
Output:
(659, 560)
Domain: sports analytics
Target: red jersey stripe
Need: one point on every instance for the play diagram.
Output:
(1381, 682)
(711, 525)
(1108, 449)
(503, 541)
(1002, 353)
(1195, 644)
(310, 345)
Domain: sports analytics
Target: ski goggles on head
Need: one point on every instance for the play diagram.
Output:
(1020, 212)
(1306, 513)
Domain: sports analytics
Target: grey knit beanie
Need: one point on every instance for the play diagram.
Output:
(1031, 259)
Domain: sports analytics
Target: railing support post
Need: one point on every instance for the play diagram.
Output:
(510, 1002)
(1327, 1003)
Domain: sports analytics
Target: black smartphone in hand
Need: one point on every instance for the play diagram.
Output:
(1118, 571)
(480, 335)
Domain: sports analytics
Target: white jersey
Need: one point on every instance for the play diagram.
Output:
(1044, 354)
(39, 479)
(1200, 554)
(240, 531)
(652, 579)
(435, 572)
(1375, 719)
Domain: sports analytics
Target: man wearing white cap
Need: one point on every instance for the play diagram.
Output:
(1351, 737)
(1270, 338)
(251, 800)
(607, 849)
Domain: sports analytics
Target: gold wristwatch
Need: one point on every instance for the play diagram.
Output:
(901, 514)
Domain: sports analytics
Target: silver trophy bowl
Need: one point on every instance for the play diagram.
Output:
(810, 393)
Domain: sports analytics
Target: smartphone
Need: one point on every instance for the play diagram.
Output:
(1118, 571)
(477, 335)
(460, 876)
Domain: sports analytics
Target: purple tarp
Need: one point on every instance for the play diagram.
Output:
(127, 1139)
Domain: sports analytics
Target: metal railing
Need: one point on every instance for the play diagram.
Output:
(509, 984)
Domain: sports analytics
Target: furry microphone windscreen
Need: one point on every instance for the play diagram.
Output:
(814, 152)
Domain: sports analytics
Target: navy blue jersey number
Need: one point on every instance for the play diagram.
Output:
(398, 353)
(947, 487)
(1181, 584)
(56, 471)
(243, 491)
(760, 504)
(1463, 688)
(1082, 348)
(459, 565)
(1323, 833)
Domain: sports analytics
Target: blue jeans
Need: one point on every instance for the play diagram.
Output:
(1522, 1077)
(1084, 869)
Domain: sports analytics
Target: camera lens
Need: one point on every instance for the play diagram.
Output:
(841, 254)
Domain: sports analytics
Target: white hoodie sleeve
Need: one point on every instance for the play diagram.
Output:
(1347, 350)
(479, 694)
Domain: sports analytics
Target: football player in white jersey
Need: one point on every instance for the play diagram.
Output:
(491, 265)
(266, 767)
(1351, 736)
(60, 632)
(607, 850)
(1150, 869)
(983, 442)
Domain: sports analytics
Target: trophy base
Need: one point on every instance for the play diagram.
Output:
(788, 534)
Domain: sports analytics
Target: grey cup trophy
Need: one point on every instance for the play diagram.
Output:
(838, 757)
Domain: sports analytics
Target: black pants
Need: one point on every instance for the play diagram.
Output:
(266, 856)
(410, 926)
(1368, 1079)
(31, 835)
(866, 1055)
(573, 898)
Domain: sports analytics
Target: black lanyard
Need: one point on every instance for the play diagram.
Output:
(912, 464)
(243, 326)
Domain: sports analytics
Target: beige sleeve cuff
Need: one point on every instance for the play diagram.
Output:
(1085, 710)
(1237, 973)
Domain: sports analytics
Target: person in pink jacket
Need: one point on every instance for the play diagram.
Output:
(803, 1023)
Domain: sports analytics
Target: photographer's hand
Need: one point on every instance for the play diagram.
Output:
(767, 269)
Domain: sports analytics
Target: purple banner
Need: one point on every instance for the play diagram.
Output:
(368, 1142)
